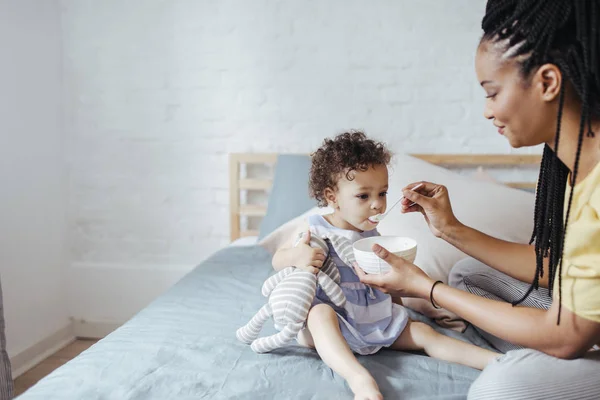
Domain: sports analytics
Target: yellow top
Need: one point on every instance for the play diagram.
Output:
(581, 255)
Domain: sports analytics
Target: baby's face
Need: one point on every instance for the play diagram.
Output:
(362, 197)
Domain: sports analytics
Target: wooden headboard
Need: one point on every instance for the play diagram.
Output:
(239, 183)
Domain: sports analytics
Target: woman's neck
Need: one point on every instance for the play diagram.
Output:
(569, 138)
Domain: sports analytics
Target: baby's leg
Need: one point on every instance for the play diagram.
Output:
(334, 351)
(420, 336)
(305, 338)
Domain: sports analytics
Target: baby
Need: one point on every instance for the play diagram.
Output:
(349, 174)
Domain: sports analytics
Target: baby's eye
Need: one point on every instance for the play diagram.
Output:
(382, 194)
(363, 196)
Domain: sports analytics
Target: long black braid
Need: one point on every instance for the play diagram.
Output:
(565, 33)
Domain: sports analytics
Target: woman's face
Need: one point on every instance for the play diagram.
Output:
(514, 104)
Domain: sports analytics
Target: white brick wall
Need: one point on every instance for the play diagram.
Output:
(158, 92)
(33, 194)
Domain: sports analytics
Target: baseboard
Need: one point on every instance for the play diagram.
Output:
(93, 330)
(33, 355)
(100, 293)
(116, 292)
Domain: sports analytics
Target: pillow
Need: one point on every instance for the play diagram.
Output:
(483, 175)
(495, 209)
(289, 194)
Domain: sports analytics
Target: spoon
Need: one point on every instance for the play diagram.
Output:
(380, 217)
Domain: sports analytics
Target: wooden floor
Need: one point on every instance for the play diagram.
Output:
(30, 378)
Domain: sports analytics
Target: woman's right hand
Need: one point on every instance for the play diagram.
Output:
(433, 202)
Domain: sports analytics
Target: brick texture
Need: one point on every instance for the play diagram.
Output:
(158, 92)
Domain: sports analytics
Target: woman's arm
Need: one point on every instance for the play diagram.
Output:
(529, 327)
(513, 259)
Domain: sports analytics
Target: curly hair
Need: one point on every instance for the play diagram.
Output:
(347, 152)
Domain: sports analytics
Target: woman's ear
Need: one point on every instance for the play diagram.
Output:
(331, 198)
(550, 79)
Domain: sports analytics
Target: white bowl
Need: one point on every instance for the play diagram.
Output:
(368, 261)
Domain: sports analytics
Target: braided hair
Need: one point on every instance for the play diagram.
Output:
(565, 33)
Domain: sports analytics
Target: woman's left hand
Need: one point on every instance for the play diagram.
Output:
(404, 280)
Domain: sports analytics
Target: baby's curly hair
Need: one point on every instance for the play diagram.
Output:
(347, 152)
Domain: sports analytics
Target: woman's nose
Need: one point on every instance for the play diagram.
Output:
(487, 112)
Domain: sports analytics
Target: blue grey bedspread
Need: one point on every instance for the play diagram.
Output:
(183, 346)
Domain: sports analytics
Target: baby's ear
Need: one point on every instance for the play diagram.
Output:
(331, 197)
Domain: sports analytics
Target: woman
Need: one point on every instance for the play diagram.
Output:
(539, 64)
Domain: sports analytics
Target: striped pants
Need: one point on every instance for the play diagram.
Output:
(523, 373)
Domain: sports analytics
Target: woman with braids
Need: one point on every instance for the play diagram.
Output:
(539, 65)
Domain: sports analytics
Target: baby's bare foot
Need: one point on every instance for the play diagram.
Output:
(364, 387)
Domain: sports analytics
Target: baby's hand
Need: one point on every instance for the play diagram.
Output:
(309, 258)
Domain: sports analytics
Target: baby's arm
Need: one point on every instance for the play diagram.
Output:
(300, 256)
(287, 254)
(285, 257)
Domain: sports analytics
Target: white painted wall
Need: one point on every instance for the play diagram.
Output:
(159, 92)
(32, 173)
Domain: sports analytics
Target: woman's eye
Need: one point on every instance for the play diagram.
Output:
(491, 96)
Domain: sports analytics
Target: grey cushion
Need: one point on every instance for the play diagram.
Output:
(6, 383)
(289, 194)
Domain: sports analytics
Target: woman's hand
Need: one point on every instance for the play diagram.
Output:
(404, 280)
(433, 202)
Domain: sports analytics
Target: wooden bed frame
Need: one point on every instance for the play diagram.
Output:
(238, 183)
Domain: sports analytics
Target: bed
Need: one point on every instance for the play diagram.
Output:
(183, 346)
